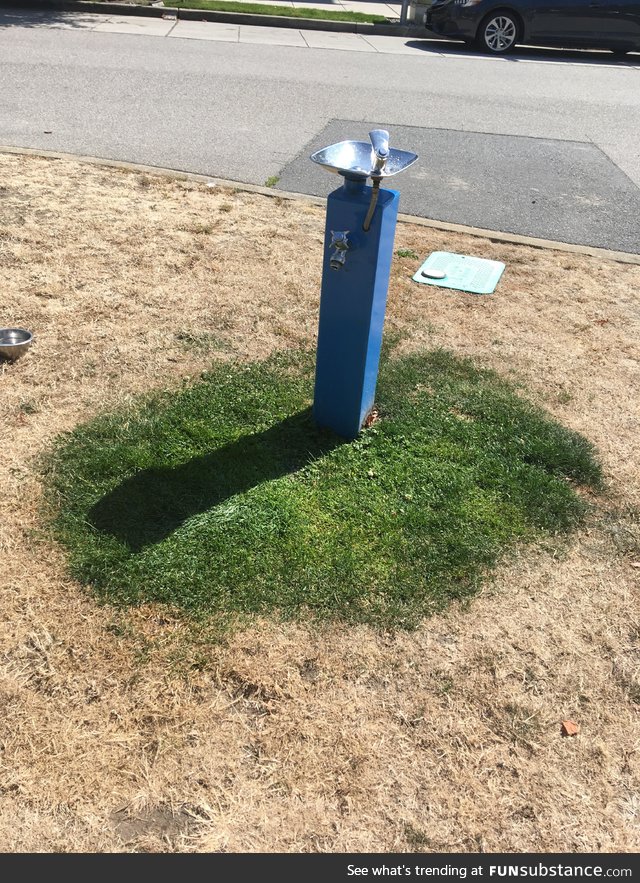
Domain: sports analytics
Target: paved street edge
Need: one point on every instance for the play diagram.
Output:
(238, 18)
(177, 174)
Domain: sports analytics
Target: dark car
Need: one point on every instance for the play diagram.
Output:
(496, 26)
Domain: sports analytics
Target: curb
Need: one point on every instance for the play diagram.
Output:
(621, 257)
(240, 18)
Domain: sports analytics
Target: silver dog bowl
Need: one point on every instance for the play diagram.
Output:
(14, 342)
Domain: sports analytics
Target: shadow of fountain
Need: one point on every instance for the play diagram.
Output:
(150, 505)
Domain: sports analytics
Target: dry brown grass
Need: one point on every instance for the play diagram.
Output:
(126, 731)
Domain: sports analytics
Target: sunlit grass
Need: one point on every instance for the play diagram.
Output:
(225, 498)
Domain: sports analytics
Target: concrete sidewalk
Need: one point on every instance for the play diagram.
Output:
(426, 46)
(389, 13)
(227, 32)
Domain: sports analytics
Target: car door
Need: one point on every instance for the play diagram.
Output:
(629, 22)
(606, 21)
(558, 20)
(589, 22)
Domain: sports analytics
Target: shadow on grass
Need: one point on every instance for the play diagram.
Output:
(149, 506)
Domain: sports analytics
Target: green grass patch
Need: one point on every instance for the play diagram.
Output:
(224, 498)
(289, 11)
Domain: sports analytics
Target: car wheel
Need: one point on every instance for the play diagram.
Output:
(498, 33)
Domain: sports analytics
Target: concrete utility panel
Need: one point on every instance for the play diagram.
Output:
(564, 190)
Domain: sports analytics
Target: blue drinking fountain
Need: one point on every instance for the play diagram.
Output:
(358, 243)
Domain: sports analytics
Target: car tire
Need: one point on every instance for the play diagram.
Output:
(498, 33)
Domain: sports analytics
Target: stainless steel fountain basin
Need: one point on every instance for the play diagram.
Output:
(358, 159)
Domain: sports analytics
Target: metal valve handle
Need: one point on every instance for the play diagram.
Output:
(380, 147)
(340, 243)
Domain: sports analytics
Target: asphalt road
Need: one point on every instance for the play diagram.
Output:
(248, 112)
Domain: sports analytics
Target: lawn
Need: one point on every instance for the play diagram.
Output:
(144, 726)
(226, 497)
(327, 14)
